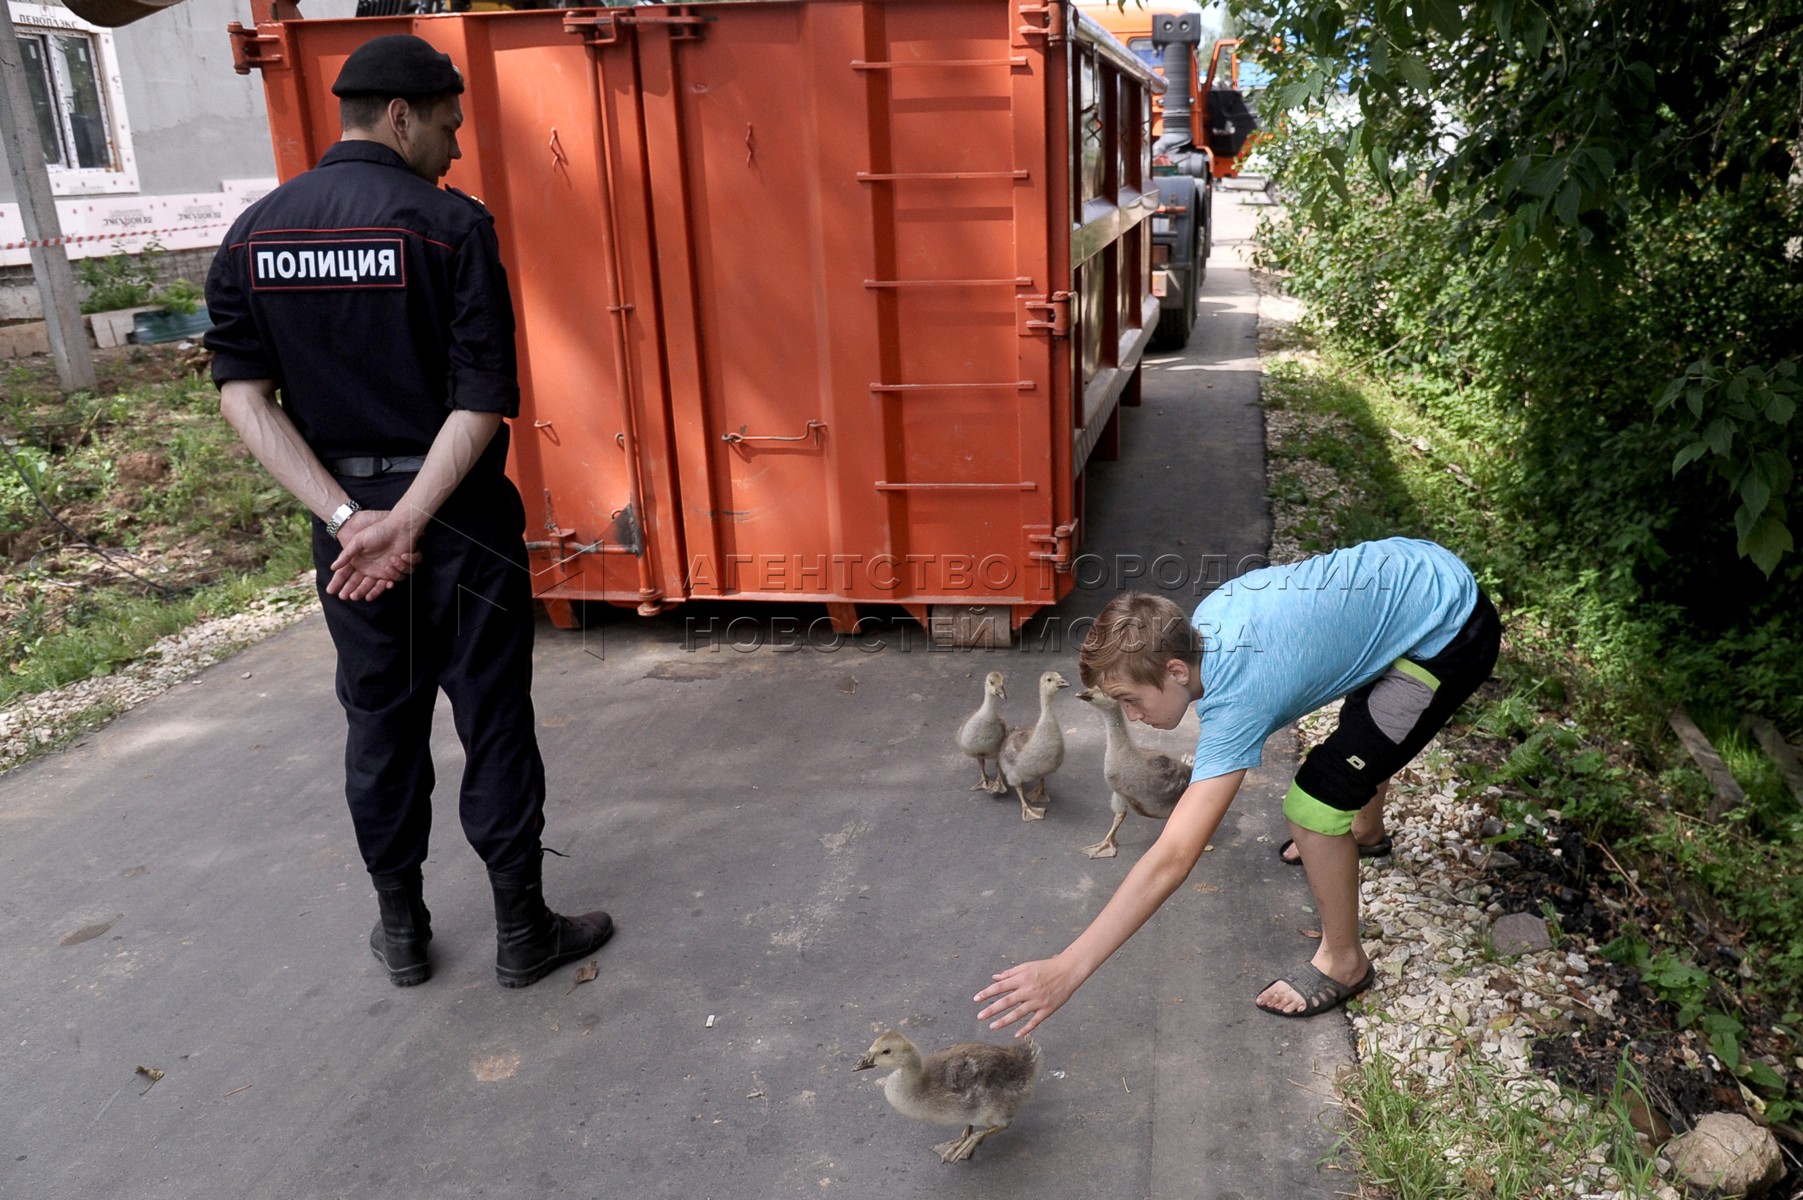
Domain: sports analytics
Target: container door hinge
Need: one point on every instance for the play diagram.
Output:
(1043, 20)
(603, 29)
(595, 29)
(1046, 314)
(254, 51)
(1060, 541)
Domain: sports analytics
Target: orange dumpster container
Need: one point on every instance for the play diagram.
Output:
(828, 300)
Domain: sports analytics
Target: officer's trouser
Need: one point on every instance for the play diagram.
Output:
(462, 621)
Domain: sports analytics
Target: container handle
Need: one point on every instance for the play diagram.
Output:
(812, 433)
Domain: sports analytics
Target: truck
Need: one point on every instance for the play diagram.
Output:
(1202, 129)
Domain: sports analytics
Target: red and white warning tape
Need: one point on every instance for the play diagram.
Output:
(117, 236)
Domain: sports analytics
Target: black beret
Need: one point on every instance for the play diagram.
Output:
(398, 64)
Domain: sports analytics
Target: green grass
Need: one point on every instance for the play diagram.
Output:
(1475, 1138)
(115, 627)
(204, 534)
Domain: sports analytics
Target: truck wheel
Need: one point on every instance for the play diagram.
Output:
(1208, 230)
(1174, 324)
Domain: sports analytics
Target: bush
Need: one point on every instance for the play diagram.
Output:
(1555, 371)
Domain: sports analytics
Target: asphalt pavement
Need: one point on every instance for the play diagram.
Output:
(784, 835)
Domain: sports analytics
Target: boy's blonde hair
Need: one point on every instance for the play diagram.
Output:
(1136, 634)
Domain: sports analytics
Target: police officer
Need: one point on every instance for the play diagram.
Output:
(364, 351)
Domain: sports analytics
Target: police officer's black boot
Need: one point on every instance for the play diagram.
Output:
(400, 936)
(532, 941)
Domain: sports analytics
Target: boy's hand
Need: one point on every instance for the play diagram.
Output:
(1033, 990)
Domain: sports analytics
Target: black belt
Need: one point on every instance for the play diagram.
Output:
(365, 466)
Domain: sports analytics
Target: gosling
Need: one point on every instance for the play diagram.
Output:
(973, 1084)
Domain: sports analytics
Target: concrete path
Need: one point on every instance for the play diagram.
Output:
(786, 839)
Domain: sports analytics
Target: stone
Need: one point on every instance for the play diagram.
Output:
(23, 341)
(1729, 1153)
(1520, 933)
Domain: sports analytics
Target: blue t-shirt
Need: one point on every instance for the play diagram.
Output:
(1282, 641)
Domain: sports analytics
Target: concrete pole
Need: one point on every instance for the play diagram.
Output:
(43, 228)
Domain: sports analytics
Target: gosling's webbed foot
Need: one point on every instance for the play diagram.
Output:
(1029, 813)
(998, 787)
(958, 1149)
(1105, 848)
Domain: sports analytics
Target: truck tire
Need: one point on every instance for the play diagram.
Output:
(1208, 235)
(1172, 332)
(1174, 324)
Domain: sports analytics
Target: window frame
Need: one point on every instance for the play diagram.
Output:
(45, 21)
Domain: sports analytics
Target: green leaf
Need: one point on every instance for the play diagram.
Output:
(1687, 456)
(1380, 55)
(1566, 206)
(1718, 435)
(1766, 543)
(1755, 491)
(1760, 1075)
(1533, 34)
(1416, 74)
(1780, 409)
(1502, 14)
(1546, 176)
(1445, 17)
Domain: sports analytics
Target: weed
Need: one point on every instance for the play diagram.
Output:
(118, 280)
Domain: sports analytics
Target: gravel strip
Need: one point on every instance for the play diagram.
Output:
(30, 723)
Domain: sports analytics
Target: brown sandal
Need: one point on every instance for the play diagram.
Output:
(1378, 849)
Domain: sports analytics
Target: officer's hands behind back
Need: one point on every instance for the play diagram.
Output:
(376, 552)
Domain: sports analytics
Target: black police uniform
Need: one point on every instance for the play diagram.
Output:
(377, 303)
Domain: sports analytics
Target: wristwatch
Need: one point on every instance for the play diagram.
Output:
(340, 515)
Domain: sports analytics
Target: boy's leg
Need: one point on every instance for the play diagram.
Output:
(1367, 825)
(1368, 822)
(1383, 725)
(1332, 863)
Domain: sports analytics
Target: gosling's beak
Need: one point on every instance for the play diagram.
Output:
(1001, 693)
(1082, 695)
(865, 1063)
(1064, 683)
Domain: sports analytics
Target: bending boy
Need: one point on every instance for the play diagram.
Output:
(1399, 628)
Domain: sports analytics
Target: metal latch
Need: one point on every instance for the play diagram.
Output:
(1046, 314)
(1061, 539)
(1050, 18)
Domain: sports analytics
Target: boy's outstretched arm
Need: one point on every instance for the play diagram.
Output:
(1035, 990)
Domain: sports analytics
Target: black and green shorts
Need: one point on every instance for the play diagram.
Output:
(1386, 722)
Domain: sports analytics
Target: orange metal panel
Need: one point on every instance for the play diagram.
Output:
(795, 283)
